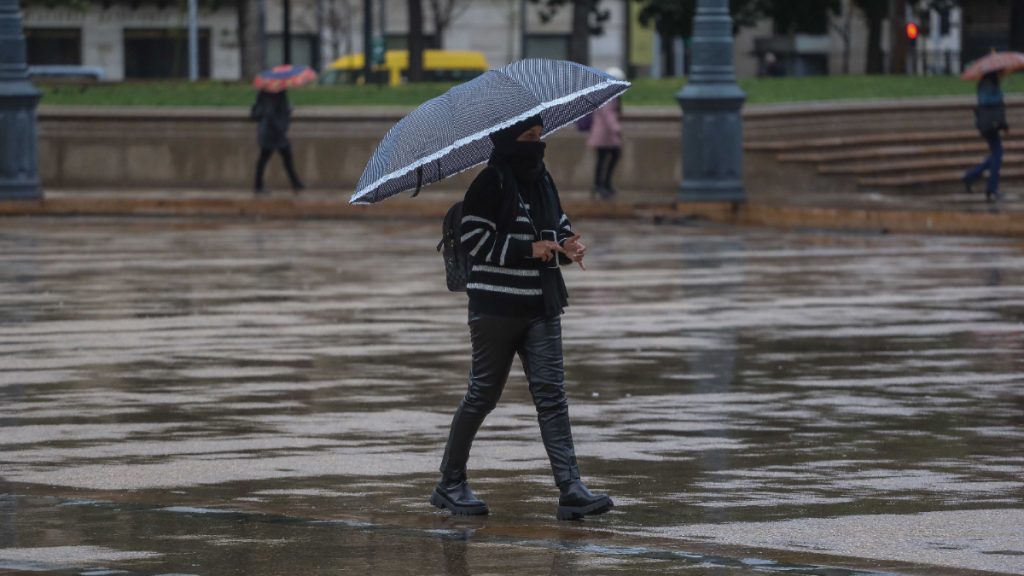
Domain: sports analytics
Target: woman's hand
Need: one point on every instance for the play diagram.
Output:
(546, 250)
(575, 250)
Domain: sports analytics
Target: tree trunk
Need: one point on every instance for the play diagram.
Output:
(876, 59)
(1017, 27)
(668, 56)
(318, 46)
(579, 41)
(847, 27)
(286, 31)
(439, 24)
(415, 40)
(898, 37)
(250, 39)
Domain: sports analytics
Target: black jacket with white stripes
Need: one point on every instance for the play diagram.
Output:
(505, 278)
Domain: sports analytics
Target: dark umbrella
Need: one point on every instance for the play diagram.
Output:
(448, 134)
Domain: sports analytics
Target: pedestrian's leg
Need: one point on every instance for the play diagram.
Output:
(613, 159)
(597, 189)
(289, 166)
(995, 162)
(541, 355)
(261, 165)
(494, 346)
(976, 171)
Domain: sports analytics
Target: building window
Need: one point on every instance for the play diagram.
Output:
(53, 46)
(163, 53)
(303, 50)
(554, 46)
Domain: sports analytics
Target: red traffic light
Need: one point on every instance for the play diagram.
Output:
(912, 31)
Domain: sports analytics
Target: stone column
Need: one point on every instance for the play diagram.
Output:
(19, 175)
(711, 102)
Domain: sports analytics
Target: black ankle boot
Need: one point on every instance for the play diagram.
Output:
(454, 495)
(577, 501)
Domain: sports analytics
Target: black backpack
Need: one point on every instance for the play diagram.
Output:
(456, 261)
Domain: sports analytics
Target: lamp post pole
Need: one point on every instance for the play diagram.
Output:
(19, 175)
(711, 102)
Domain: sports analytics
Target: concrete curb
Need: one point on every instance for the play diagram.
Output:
(750, 214)
(856, 219)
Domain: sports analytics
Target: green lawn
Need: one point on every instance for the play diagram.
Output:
(645, 92)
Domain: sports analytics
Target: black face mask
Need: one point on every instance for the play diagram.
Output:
(526, 158)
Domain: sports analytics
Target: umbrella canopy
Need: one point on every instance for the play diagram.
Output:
(448, 134)
(283, 77)
(994, 62)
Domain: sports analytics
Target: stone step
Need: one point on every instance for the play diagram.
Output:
(859, 140)
(961, 162)
(977, 146)
(932, 179)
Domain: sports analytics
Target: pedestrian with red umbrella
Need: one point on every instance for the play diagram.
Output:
(990, 115)
(273, 112)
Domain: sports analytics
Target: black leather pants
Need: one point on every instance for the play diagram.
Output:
(496, 341)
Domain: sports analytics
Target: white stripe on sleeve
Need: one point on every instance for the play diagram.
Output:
(471, 218)
(466, 237)
(480, 244)
(504, 251)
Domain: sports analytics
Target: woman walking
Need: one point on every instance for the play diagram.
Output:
(990, 118)
(274, 113)
(516, 234)
(606, 139)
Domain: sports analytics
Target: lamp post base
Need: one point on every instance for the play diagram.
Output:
(19, 176)
(713, 190)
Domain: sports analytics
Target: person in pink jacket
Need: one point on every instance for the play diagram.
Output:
(606, 138)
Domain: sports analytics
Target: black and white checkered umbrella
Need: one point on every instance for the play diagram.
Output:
(448, 134)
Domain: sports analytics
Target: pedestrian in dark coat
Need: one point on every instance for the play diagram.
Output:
(515, 234)
(990, 119)
(274, 113)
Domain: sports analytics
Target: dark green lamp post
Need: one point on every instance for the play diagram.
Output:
(711, 102)
(19, 175)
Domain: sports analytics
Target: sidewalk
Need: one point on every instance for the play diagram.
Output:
(898, 213)
(273, 397)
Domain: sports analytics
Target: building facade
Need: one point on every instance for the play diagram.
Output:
(139, 40)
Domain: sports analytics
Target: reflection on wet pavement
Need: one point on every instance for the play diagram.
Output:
(755, 401)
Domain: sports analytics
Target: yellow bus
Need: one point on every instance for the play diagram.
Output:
(438, 66)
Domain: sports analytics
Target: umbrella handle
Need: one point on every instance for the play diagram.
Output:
(419, 181)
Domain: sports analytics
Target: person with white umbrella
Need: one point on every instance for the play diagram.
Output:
(516, 233)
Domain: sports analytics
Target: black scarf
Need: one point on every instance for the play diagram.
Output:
(524, 176)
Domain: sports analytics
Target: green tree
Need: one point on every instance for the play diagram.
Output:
(875, 11)
(444, 13)
(800, 16)
(674, 19)
(587, 19)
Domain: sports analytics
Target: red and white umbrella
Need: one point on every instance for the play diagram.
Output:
(1005, 62)
(283, 77)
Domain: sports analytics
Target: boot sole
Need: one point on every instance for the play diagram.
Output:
(578, 512)
(439, 501)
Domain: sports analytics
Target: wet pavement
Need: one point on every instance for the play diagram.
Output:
(272, 398)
